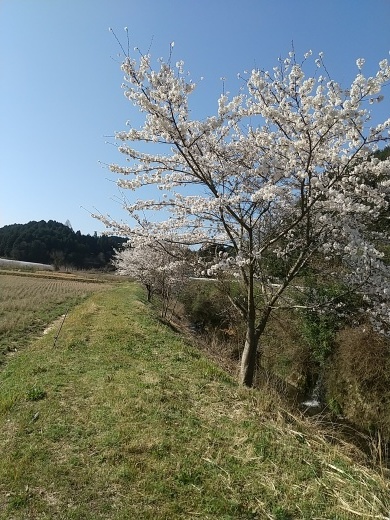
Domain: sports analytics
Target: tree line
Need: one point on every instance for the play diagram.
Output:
(57, 244)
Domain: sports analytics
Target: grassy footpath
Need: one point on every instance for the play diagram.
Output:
(122, 420)
(31, 300)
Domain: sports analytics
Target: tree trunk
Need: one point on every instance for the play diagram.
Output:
(249, 356)
(253, 332)
(248, 360)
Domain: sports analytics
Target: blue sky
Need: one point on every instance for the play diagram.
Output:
(60, 81)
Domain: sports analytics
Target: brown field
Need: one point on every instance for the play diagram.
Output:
(30, 301)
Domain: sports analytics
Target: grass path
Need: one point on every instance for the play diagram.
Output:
(122, 420)
(31, 300)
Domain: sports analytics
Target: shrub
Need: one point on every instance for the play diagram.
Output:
(321, 323)
(358, 378)
(206, 306)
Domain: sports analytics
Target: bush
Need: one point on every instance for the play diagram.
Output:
(358, 378)
(206, 306)
(336, 308)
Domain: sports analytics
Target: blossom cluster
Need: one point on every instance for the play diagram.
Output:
(282, 172)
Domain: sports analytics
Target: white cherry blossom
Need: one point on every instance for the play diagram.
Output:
(281, 173)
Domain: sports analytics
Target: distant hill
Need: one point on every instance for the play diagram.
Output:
(57, 244)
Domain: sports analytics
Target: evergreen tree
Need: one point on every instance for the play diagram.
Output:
(55, 243)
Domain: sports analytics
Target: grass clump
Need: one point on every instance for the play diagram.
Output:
(35, 394)
(137, 424)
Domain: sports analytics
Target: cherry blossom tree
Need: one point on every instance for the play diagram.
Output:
(278, 176)
(160, 268)
(141, 264)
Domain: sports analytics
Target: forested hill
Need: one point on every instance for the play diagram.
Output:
(55, 243)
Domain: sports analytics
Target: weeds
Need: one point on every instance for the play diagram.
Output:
(35, 394)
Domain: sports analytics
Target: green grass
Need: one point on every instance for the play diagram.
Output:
(123, 420)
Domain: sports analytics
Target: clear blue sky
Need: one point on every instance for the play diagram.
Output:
(60, 94)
